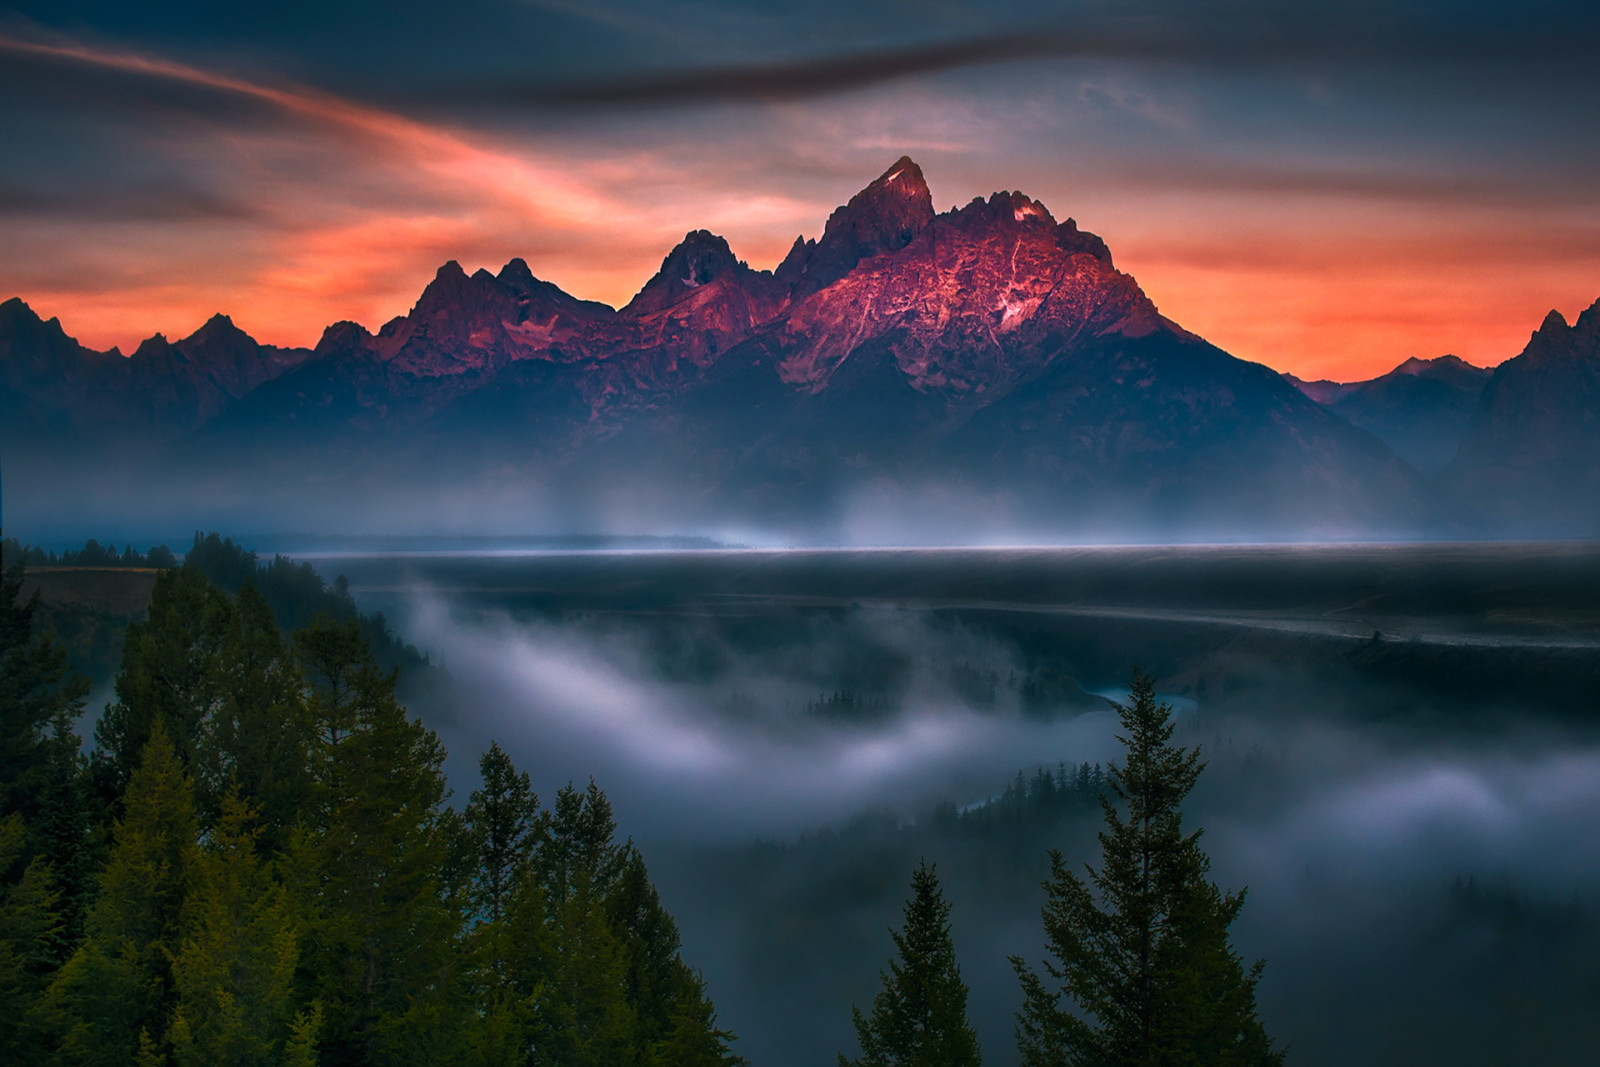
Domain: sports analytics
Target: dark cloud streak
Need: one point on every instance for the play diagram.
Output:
(1255, 38)
(126, 204)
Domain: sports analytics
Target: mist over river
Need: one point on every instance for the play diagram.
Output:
(1402, 746)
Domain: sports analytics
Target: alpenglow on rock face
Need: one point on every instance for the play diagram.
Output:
(984, 367)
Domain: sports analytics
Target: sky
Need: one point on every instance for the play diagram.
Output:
(1326, 188)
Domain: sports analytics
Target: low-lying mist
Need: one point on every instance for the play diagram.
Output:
(693, 737)
(1424, 889)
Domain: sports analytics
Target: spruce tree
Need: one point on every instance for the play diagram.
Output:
(383, 934)
(29, 931)
(581, 1014)
(504, 826)
(61, 832)
(615, 988)
(234, 975)
(919, 1017)
(166, 659)
(38, 692)
(115, 995)
(255, 733)
(1140, 972)
(674, 1020)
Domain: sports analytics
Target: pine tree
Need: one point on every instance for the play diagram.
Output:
(61, 831)
(38, 691)
(674, 1020)
(919, 1017)
(115, 995)
(383, 934)
(581, 1014)
(28, 936)
(234, 975)
(1141, 971)
(504, 827)
(165, 662)
(255, 734)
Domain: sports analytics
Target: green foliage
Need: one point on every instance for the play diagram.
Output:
(256, 734)
(296, 594)
(37, 693)
(383, 937)
(1140, 969)
(28, 935)
(505, 824)
(674, 1022)
(919, 1017)
(166, 662)
(234, 975)
(62, 832)
(115, 995)
(284, 882)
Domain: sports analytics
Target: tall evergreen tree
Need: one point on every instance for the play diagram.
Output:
(255, 733)
(383, 935)
(505, 825)
(28, 937)
(919, 1017)
(616, 989)
(115, 995)
(166, 660)
(581, 1014)
(1140, 970)
(234, 975)
(674, 1020)
(61, 832)
(38, 692)
(508, 944)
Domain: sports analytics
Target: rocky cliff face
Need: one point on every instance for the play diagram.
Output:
(1530, 462)
(884, 217)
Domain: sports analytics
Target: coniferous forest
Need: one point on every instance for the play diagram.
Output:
(259, 861)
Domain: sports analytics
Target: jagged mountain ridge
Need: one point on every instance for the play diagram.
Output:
(1530, 462)
(471, 332)
(988, 350)
(53, 386)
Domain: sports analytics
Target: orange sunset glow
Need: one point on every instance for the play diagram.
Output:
(346, 209)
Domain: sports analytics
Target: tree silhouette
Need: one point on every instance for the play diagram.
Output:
(1140, 970)
(919, 1017)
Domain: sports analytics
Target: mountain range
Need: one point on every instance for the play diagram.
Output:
(1421, 408)
(981, 372)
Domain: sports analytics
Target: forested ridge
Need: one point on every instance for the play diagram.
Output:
(258, 864)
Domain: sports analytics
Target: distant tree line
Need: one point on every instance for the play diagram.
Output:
(92, 554)
(296, 594)
(258, 865)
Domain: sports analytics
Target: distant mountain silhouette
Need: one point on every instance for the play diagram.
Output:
(52, 385)
(987, 367)
(1530, 463)
(1420, 409)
